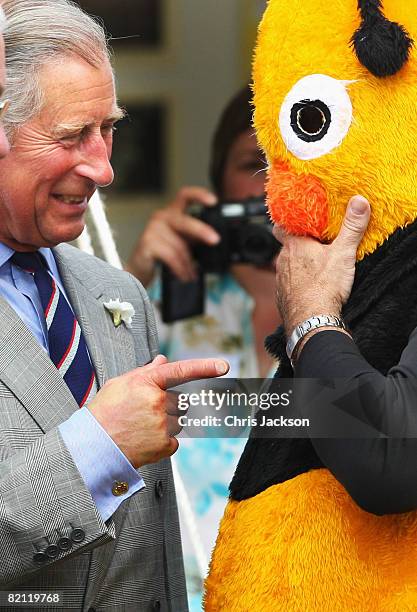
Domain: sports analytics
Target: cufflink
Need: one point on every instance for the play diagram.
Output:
(119, 488)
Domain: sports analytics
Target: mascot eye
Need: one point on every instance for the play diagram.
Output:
(310, 120)
(315, 116)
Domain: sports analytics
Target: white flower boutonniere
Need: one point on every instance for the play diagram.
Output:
(120, 311)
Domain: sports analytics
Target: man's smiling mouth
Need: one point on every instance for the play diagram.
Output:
(70, 199)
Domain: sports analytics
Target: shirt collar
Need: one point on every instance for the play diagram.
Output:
(6, 252)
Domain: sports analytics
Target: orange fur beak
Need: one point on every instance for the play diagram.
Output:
(297, 202)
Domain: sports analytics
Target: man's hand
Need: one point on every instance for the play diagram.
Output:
(313, 278)
(167, 236)
(137, 412)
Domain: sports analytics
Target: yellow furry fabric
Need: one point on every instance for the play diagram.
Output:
(377, 157)
(305, 546)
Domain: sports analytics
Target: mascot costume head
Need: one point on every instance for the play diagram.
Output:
(336, 108)
(335, 95)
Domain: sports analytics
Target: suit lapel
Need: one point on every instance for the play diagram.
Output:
(25, 368)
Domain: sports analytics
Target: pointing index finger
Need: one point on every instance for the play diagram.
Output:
(180, 372)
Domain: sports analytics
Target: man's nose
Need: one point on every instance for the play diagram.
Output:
(96, 163)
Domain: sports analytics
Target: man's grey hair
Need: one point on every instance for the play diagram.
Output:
(38, 32)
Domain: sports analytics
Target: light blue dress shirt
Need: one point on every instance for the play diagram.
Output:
(98, 459)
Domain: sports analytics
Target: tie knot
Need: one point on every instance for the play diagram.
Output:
(31, 262)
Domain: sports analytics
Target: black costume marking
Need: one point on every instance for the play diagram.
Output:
(381, 45)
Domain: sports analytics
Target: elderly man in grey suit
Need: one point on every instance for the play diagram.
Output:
(88, 517)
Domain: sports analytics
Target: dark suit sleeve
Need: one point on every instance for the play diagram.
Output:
(380, 473)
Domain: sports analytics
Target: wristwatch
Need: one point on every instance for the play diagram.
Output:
(301, 330)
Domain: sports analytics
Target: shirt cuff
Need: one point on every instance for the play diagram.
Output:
(325, 355)
(100, 462)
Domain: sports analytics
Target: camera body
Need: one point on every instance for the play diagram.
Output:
(246, 237)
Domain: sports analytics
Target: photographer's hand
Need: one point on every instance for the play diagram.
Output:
(167, 235)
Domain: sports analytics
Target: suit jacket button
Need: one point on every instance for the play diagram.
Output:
(156, 605)
(40, 558)
(52, 551)
(159, 488)
(64, 544)
(119, 488)
(77, 535)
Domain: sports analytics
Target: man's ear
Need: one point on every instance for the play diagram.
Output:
(381, 45)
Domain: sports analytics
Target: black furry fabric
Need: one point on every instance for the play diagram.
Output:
(382, 46)
(381, 314)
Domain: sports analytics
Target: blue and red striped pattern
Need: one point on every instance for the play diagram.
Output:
(67, 347)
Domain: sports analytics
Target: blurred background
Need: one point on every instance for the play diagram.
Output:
(177, 63)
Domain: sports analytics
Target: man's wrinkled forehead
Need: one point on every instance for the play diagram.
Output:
(76, 94)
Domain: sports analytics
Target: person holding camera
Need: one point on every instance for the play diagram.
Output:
(239, 309)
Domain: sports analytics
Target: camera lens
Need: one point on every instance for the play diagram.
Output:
(258, 246)
(254, 244)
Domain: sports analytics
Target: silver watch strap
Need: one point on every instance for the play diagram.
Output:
(323, 320)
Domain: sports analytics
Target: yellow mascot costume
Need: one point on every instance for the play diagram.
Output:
(335, 94)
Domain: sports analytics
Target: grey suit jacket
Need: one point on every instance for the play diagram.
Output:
(133, 562)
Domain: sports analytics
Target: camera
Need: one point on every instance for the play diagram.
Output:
(245, 237)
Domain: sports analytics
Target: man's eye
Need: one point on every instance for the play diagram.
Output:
(69, 138)
(109, 129)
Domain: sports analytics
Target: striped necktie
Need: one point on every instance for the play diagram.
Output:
(67, 347)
